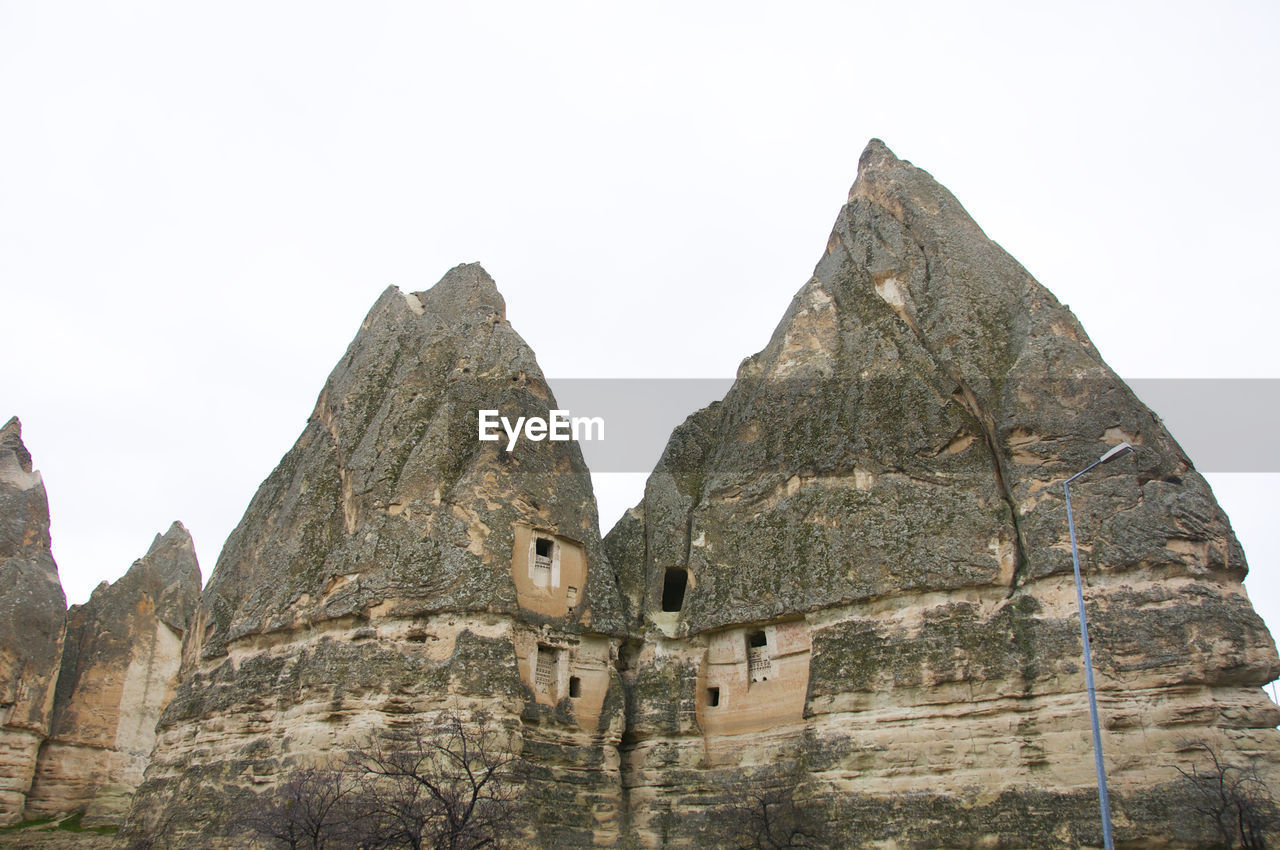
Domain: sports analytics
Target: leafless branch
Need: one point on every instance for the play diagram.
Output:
(1234, 798)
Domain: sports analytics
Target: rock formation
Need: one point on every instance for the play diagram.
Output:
(79, 720)
(119, 669)
(856, 565)
(849, 579)
(394, 565)
(32, 615)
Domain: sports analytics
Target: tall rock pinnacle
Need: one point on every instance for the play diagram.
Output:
(394, 564)
(32, 616)
(869, 544)
(385, 499)
(119, 669)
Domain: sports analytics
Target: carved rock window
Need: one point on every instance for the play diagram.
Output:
(674, 583)
(543, 547)
(758, 662)
(544, 674)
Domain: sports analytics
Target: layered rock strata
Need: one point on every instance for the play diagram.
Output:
(393, 565)
(119, 670)
(32, 618)
(855, 568)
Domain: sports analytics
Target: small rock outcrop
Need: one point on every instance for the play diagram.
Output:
(870, 542)
(32, 617)
(394, 565)
(120, 664)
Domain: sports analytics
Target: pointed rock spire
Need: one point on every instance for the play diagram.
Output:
(32, 615)
(119, 670)
(390, 462)
(394, 563)
(871, 533)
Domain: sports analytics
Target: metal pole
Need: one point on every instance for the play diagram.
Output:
(1104, 801)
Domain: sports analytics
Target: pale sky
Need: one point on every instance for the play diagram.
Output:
(199, 203)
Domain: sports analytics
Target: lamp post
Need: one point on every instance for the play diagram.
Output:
(1104, 802)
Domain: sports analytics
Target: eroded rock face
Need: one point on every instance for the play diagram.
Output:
(883, 485)
(373, 577)
(32, 616)
(119, 669)
(850, 577)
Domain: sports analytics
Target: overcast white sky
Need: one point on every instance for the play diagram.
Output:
(199, 203)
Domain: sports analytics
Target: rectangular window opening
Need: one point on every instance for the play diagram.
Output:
(542, 548)
(544, 672)
(759, 667)
(674, 582)
(713, 697)
(575, 687)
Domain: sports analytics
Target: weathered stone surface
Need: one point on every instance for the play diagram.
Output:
(51, 837)
(32, 617)
(850, 577)
(388, 499)
(119, 669)
(387, 568)
(883, 482)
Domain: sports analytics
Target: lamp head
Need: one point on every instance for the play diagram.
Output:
(1115, 450)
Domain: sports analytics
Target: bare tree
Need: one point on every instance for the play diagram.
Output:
(447, 785)
(450, 784)
(1235, 799)
(313, 809)
(759, 818)
(157, 837)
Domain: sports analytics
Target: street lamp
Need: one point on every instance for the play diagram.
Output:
(1104, 801)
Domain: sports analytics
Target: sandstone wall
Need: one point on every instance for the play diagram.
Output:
(32, 618)
(119, 670)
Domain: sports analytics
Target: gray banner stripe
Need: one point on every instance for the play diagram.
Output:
(1224, 424)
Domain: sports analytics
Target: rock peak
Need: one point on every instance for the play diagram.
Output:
(16, 469)
(881, 174)
(876, 155)
(177, 535)
(11, 441)
(468, 274)
(464, 290)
